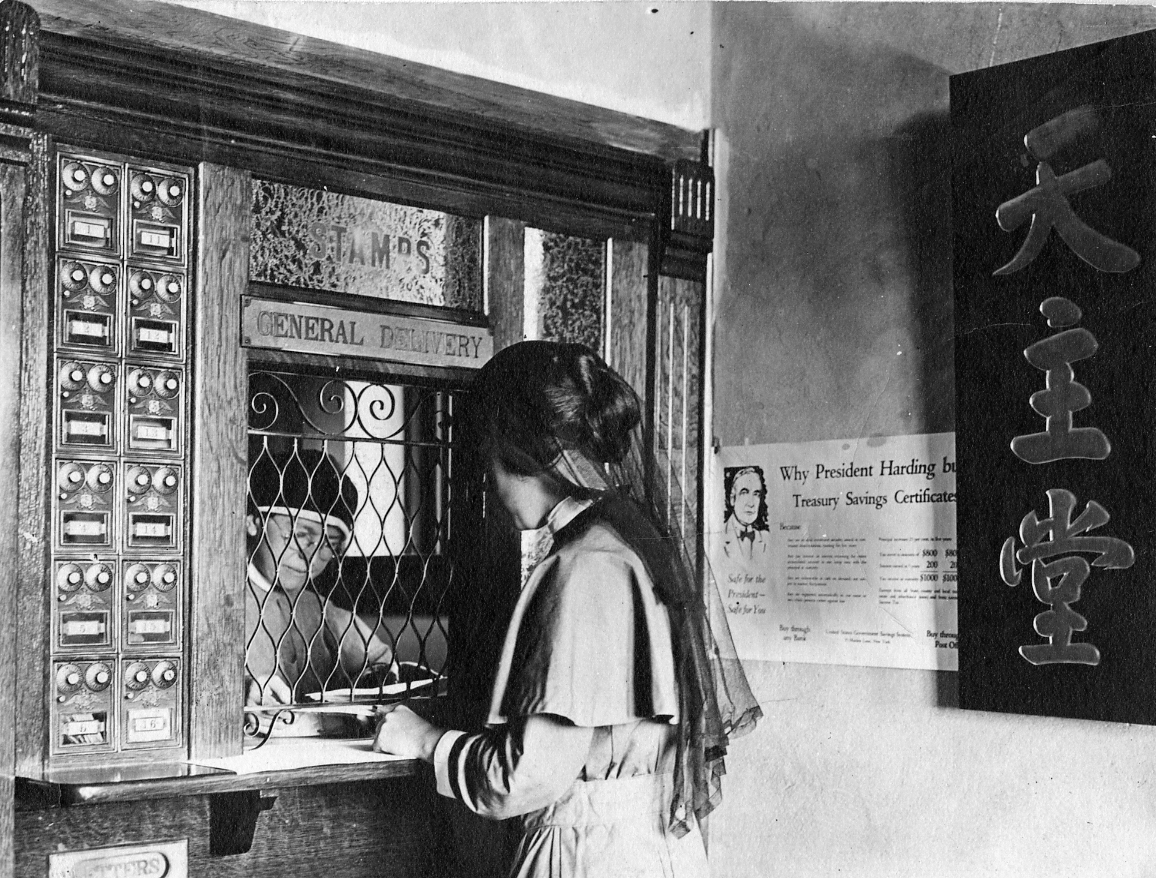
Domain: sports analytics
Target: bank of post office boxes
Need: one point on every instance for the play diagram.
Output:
(117, 580)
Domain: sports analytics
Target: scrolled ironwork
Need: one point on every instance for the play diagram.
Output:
(339, 408)
(262, 732)
(396, 443)
(260, 404)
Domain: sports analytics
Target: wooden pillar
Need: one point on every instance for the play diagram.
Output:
(19, 30)
(220, 465)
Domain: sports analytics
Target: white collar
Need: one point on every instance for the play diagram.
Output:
(564, 513)
(258, 578)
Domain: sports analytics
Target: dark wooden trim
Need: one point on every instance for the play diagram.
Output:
(705, 434)
(505, 281)
(287, 125)
(12, 186)
(96, 786)
(19, 55)
(102, 129)
(688, 206)
(219, 466)
(367, 304)
(651, 397)
(684, 256)
(214, 37)
(361, 367)
(31, 616)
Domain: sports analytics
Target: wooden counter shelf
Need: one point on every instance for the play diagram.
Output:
(304, 759)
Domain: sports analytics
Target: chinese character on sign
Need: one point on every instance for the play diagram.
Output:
(1054, 536)
(1047, 204)
(1063, 395)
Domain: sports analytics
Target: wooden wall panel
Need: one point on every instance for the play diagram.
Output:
(11, 269)
(373, 829)
(678, 403)
(505, 276)
(31, 623)
(19, 57)
(628, 303)
(626, 314)
(219, 465)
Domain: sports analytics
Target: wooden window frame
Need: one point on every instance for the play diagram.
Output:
(301, 111)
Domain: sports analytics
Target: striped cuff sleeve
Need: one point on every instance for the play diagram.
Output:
(447, 763)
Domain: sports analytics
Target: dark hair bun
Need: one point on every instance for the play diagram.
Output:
(535, 398)
(611, 407)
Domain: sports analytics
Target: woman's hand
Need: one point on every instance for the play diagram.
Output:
(402, 732)
(274, 691)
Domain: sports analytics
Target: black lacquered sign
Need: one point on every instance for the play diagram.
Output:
(1054, 191)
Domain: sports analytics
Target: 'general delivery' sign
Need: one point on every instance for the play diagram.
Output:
(321, 329)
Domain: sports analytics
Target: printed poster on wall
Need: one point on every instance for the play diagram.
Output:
(839, 552)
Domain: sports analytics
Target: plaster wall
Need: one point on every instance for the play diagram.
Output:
(833, 319)
(648, 59)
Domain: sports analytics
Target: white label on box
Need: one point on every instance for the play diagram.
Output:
(149, 626)
(147, 431)
(155, 239)
(155, 336)
(151, 529)
(82, 727)
(84, 528)
(82, 229)
(149, 724)
(87, 428)
(88, 328)
(86, 628)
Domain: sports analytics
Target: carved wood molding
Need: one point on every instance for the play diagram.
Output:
(690, 235)
(189, 86)
(19, 60)
(267, 119)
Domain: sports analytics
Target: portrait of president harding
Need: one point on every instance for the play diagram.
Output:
(745, 520)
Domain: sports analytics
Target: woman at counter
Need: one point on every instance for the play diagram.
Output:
(612, 703)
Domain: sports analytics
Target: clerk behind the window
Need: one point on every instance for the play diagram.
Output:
(300, 518)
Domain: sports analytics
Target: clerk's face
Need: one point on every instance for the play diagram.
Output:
(746, 495)
(292, 553)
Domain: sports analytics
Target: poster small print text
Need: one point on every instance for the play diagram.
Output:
(839, 552)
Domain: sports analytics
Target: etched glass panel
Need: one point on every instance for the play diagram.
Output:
(566, 287)
(318, 240)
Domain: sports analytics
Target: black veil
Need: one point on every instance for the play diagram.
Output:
(715, 698)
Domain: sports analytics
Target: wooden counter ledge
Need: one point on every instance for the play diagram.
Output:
(281, 763)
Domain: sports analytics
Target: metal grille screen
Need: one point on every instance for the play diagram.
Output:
(356, 494)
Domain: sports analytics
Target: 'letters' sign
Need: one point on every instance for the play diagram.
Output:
(162, 860)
